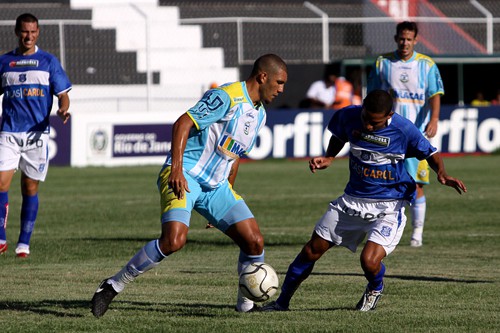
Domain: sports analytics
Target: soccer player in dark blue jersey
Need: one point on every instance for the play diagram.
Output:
(374, 199)
(30, 78)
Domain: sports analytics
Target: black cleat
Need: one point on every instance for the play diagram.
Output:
(102, 298)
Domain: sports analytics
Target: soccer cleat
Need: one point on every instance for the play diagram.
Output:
(102, 298)
(3, 248)
(415, 243)
(22, 251)
(273, 306)
(369, 300)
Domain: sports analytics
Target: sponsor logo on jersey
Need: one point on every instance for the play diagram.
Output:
(230, 147)
(376, 139)
(238, 99)
(24, 63)
(373, 173)
(25, 93)
(408, 95)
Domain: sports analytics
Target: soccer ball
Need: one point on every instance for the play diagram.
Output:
(258, 282)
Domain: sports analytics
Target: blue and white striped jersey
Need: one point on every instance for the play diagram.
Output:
(411, 83)
(227, 125)
(376, 159)
(28, 85)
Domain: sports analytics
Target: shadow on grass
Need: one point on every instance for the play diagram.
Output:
(67, 308)
(407, 277)
(46, 307)
(222, 241)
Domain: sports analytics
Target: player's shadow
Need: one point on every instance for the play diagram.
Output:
(81, 308)
(219, 241)
(58, 308)
(408, 277)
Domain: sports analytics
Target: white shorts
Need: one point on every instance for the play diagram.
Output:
(27, 151)
(348, 220)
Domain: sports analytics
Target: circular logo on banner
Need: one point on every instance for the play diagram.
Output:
(99, 141)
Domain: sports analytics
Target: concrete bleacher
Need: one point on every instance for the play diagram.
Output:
(105, 54)
(90, 55)
(185, 68)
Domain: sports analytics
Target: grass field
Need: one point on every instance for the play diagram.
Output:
(92, 220)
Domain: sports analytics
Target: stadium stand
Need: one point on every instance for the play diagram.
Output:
(90, 54)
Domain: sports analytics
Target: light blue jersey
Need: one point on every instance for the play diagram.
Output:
(376, 159)
(227, 124)
(411, 83)
(28, 85)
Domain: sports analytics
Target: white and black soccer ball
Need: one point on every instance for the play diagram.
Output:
(258, 282)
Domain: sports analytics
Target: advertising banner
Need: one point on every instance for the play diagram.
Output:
(133, 139)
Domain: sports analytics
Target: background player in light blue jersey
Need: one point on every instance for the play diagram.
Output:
(414, 81)
(208, 141)
(30, 78)
(374, 199)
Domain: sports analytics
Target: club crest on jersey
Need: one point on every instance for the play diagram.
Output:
(22, 77)
(386, 231)
(230, 147)
(24, 63)
(376, 139)
(365, 156)
(404, 77)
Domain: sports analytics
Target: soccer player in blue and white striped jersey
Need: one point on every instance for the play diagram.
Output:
(414, 81)
(199, 173)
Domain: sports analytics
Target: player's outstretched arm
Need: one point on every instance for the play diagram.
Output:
(323, 162)
(436, 163)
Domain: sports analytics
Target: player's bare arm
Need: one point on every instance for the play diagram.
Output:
(176, 181)
(62, 112)
(432, 126)
(436, 163)
(323, 162)
(234, 172)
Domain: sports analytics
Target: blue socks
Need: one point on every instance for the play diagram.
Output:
(29, 211)
(376, 282)
(298, 271)
(4, 209)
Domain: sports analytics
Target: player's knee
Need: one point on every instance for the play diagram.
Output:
(256, 243)
(370, 264)
(169, 245)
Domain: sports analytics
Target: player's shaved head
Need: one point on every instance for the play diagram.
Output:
(269, 63)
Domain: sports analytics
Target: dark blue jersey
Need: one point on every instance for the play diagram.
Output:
(376, 158)
(28, 86)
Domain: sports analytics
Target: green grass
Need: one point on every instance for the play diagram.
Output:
(92, 220)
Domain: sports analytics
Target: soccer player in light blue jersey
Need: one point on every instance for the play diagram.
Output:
(374, 199)
(30, 79)
(414, 81)
(199, 173)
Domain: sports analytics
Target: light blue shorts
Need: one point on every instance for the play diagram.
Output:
(419, 170)
(222, 206)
